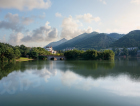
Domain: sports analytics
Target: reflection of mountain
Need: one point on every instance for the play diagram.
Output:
(97, 69)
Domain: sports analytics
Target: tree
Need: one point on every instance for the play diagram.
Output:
(2, 52)
(9, 53)
(17, 53)
(33, 54)
(124, 52)
(24, 50)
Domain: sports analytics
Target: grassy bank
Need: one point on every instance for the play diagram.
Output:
(23, 59)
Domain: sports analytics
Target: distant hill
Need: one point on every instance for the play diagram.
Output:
(72, 42)
(116, 36)
(53, 44)
(132, 39)
(99, 41)
(93, 40)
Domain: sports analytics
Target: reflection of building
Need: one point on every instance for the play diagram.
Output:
(138, 53)
(50, 49)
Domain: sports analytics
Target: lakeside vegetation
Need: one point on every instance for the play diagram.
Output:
(89, 55)
(21, 53)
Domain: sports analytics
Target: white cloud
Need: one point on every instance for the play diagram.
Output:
(15, 38)
(14, 18)
(3, 39)
(43, 33)
(25, 4)
(70, 28)
(27, 20)
(58, 14)
(15, 22)
(135, 1)
(88, 18)
(103, 1)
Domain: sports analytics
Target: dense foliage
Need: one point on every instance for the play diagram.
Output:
(125, 52)
(8, 52)
(89, 55)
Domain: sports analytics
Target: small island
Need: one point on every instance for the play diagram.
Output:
(89, 55)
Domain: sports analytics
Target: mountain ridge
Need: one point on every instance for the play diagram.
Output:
(53, 44)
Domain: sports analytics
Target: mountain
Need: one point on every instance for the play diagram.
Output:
(72, 42)
(53, 44)
(88, 41)
(132, 39)
(99, 41)
(116, 35)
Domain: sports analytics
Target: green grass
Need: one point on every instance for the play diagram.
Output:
(23, 59)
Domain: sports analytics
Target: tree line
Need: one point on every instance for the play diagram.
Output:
(9, 52)
(89, 55)
(125, 51)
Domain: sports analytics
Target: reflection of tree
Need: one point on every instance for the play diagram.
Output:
(94, 69)
(97, 69)
(7, 68)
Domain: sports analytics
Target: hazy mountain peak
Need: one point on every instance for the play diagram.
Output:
(53, 44)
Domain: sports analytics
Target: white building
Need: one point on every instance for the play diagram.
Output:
(50, 49)
(69, 48)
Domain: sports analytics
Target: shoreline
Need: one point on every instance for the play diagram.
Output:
(23, 59)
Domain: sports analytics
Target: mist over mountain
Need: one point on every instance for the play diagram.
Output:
(116, 36)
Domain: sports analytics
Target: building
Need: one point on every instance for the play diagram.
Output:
(132, 48)
(69, 48)
(50, 49)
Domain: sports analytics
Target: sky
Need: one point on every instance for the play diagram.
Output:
(38, 22)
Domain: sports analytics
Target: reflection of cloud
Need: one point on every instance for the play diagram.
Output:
(120, 85)
(18, 81)
(46, 73)
(71, 79)
(123, 86)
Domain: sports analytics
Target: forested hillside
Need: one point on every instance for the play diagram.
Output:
(74, 41)
(88, 41)
(116, 36)
(132, 39)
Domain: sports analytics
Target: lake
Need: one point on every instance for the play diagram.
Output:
(71, 83)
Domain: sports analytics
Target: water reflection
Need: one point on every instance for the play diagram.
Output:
(24, 75)
(94, 69)
(75, 82)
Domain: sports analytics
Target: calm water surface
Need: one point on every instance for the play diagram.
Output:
(71, 83)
